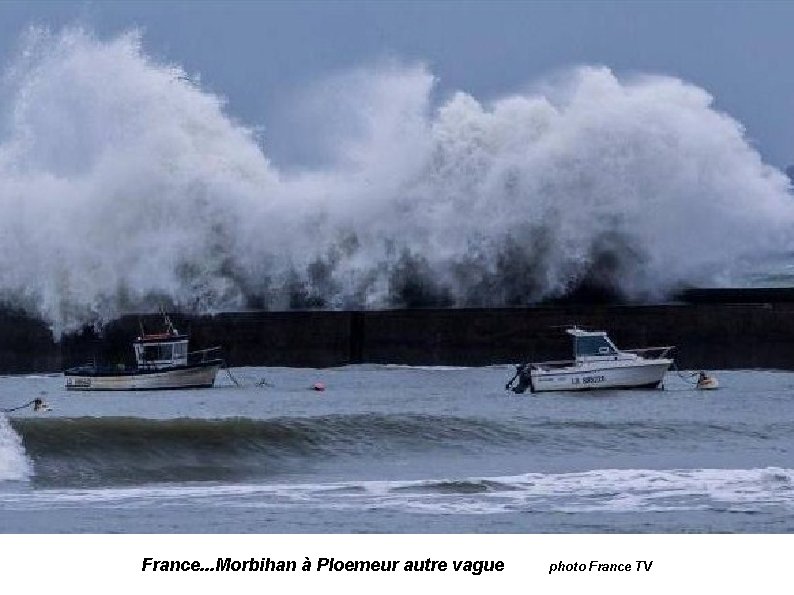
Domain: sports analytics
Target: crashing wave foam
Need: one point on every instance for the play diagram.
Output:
(597, 490)
(124, 186)
(14, 464)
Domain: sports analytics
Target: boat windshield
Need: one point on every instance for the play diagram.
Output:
(592, 346)
(161, 354)
(158, 352)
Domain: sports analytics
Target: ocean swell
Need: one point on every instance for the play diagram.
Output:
(128, 451)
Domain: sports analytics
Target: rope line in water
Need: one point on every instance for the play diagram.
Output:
(685, 377)
(231, 376)
(25, 406)
(262, 382)
(37, 404)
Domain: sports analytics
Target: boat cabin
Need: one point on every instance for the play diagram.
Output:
(589, 345)
(162, 362)
(158, 352)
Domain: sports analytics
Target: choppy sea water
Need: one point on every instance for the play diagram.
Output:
(399, 449)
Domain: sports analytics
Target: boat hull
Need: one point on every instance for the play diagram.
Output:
(644, 375)
(178, 378)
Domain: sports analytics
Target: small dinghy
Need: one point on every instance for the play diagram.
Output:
(597, 365)
(162, 362)
(706, 382)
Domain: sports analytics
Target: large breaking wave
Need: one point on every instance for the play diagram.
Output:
(125, 185)
(124, 450)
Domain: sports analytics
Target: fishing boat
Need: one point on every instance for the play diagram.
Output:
(597, 364)
(162, 362)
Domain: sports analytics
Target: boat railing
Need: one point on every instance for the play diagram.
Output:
(651, 352)
(646, 352)
(562, 363)
(201, 356)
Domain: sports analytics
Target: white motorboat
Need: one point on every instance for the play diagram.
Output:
(597, 364)
(162, 362)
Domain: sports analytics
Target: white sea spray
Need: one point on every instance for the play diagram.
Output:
(124, 185)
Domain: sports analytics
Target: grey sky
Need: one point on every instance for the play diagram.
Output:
(259, 55)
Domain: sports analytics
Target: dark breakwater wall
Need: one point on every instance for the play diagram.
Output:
(724, 329)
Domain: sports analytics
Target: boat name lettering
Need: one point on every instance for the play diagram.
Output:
(588, 379)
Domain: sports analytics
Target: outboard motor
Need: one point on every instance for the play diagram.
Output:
(521, 380)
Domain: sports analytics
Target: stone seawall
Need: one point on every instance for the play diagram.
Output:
(742, 329)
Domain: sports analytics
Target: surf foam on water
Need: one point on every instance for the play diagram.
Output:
(597, 490)
(124, 186)
(14, 463)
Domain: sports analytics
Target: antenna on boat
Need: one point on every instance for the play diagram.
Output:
(169, 326)
(568, 327)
